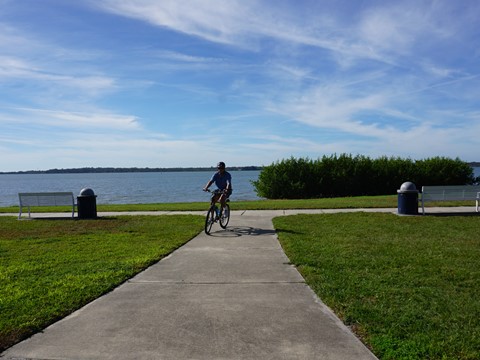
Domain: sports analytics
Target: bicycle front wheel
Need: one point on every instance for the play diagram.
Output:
(225, 217)
(209, 220)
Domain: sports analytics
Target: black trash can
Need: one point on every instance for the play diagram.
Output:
(87, 204)
(408, 199)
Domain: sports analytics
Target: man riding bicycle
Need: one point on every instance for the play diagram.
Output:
(223, 181)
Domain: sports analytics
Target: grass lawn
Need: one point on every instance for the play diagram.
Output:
(49, 268)
(409, 287)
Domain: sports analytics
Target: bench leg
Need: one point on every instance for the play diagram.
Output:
(21, 212)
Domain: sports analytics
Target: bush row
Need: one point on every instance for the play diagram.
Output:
(347, 175)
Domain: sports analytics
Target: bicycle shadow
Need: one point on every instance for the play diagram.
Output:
(237, 231)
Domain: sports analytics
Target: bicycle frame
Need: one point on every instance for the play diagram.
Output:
(216, 215)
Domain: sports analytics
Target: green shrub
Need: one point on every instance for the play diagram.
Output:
(443, 171)
(347, 175)
(288, 179)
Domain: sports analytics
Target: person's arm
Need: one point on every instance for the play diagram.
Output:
(229, 183)
(208, 185)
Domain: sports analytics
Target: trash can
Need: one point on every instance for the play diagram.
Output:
(408, 199)
(87, 204)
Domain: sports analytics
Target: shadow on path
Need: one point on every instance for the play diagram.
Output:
(236, 231)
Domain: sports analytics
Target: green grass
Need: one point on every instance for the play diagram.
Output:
(384, 201)
(407, 286)
(49, 268)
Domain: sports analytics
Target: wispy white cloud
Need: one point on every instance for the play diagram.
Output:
(440, 71)
(96, 120)
(397, 28)
(332, 107)
(74, 120)
(238, 23)
(216, 21)
(186, 58)
(379, 32)
(290, 72)
(390, 114)
(12, 68)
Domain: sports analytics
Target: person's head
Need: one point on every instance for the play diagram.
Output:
(221, 166)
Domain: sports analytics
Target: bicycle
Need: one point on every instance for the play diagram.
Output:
(214, 214)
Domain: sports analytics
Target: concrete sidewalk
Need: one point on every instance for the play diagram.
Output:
(433, 211)
(231, 295)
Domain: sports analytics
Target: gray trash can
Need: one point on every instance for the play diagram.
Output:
(408, 199)
(87, 204)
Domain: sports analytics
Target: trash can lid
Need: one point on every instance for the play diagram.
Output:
(408, 187)
(86, 192)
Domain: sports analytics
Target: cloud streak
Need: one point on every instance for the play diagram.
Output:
(380, 33)
(71, 120)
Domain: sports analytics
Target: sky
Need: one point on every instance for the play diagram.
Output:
(182, 83)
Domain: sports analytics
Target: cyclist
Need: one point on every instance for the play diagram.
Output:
(223, 181)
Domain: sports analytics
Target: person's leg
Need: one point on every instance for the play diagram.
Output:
(222, 200)
(217, 199)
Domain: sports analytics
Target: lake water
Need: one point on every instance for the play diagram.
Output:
(130, 188)
(127, 188)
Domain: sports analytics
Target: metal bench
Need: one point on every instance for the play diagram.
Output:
(46, 199)
(450, 193)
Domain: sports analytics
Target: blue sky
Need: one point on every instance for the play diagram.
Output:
(172, 83)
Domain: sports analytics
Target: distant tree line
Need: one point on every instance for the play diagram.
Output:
(88, 170)
(347, 175)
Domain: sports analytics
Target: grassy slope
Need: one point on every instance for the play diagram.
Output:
(49, 268)
(408, 286)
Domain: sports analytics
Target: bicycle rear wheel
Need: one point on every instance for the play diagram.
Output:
(225, 217)
(209, 220)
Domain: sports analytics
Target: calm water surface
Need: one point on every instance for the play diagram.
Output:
(127, 188)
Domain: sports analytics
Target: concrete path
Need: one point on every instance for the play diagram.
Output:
(231, 295)
(465, 210)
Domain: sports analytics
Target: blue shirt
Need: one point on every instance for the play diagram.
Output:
(221, 181)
